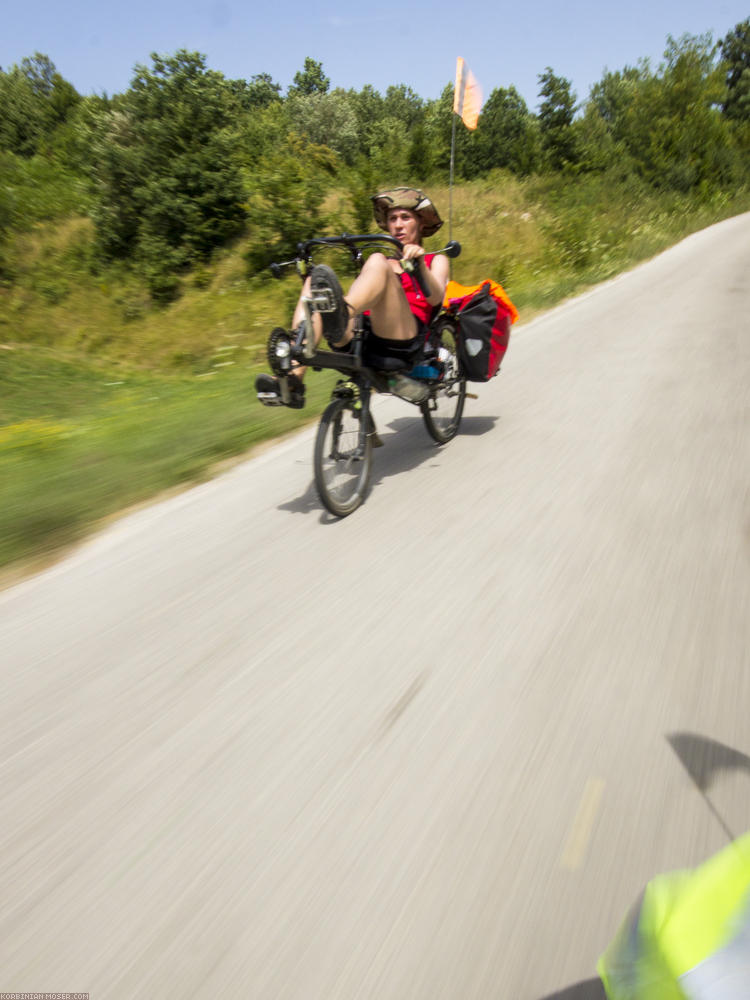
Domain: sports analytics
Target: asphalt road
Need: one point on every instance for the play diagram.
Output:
(433, 750)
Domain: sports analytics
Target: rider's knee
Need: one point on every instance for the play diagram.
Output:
(378, 263)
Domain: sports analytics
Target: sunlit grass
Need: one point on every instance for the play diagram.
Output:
(78, 442)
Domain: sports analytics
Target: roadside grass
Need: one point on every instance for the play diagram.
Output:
(107, 399)
(80, 441)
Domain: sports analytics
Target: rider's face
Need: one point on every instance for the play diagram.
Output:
(404, 225)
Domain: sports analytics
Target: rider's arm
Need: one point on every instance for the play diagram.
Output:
(435, 276)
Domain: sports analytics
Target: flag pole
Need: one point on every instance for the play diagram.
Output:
(450, 185)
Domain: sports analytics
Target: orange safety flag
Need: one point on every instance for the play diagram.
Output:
(467, 97)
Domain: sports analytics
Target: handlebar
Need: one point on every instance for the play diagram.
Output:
(355, 244)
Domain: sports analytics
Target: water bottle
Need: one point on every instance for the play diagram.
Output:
(407, 388)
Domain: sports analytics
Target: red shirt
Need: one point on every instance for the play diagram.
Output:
(414, 294)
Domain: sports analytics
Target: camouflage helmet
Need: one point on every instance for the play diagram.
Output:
(411, 198)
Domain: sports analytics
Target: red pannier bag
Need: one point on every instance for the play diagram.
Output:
(484, 315)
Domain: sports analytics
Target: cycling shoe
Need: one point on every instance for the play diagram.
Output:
(269, 391)
(328, 300)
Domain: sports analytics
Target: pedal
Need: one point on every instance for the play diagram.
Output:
(269, 398)
(322, 301)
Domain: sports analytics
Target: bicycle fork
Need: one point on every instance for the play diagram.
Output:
(360, 394)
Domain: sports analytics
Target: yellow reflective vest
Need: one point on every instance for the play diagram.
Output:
(688, 936)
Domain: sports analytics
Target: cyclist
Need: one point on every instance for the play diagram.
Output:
(396, 309)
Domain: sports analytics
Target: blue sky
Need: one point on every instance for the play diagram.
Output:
(96, 44)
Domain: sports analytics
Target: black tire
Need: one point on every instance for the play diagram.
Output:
(342, 474)
(443, 409)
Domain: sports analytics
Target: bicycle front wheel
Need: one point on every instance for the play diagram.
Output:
(342, 466)
(443, 409)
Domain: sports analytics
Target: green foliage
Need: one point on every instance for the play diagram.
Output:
(326, 119)
(438, 129)
(284, 206)
(419, 154)
(79, 441)
(309, 80)
(556, 112)
(368, 109)
(672, 127)
(402, 105)
(667, 125)
(261, 132)
(506, 136)
(614, 94)
(735, 53)
(36, 189)
(360, 183)
(166, 165)
(260, 92)
(36, 101)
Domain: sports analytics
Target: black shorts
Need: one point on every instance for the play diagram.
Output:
(401, 350)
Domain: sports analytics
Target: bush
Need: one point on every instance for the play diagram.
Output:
(285, 205)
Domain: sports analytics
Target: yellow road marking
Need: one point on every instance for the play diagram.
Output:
(583, 824)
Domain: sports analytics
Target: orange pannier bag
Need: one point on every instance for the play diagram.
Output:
(484, 315)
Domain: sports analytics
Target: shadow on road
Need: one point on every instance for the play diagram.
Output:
(406, 448)
(592, 989)
(410, 445)
(474, 426)
(704, 759)
(308, 503)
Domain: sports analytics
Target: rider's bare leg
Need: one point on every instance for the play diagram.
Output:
(377, 287)
(298, 317)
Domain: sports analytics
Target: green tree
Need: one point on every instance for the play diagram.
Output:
(287, 189)
(35, 100)
(7, 212)
(260, 131)
(419, 155)
(401, 145)
(735, 54)
(438, 131)
(261, 92)
(360, 183)
(22, 122)
(326, 119)
(310, 79)
(613, 95)
(169, 184)
(556, 112)
(505, 134)
(403, 105)
(596, 148)
(672, 128)
(599, 131)
(369, 111)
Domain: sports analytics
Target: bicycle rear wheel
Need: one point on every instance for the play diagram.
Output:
(444, 407)
(342, 468)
